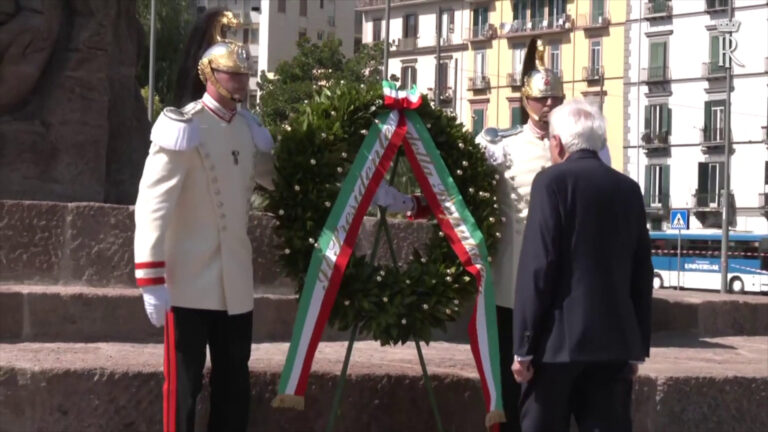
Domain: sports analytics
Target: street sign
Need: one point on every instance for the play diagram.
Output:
(678, 219)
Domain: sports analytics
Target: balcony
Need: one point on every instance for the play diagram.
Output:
(588, 22)
(376, 4)
(708, 210)
(716, 5)
(654, 74)
(484, 32)
(713, 141)
(657, 205)
(592, 73)
(445, 98)
(515, 79)
(712, 70)
(538, 26)
(406, 44)
(480, 82)
(655, 143)
(658, 9)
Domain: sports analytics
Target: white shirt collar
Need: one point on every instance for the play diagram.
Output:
(216, 109)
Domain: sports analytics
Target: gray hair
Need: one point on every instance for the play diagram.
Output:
(579, 125)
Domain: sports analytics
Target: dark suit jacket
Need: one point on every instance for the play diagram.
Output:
(584, 281)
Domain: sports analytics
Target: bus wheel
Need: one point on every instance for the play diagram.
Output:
(736, 285)
(658, 281)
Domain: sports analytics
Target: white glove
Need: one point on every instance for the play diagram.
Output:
(392, 199)
(156, 303)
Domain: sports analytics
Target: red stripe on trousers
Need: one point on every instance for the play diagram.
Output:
(142, 282)
(169, 388)
(149, 265)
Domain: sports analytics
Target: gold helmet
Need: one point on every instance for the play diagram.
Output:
(226, 56)
(538, 81)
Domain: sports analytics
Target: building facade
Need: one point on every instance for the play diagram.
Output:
(271, 28)
(675, 68)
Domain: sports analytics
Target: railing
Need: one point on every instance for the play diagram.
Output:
(515, 79)
(405, 44)
(654, 73)
(483, 32)
(538, 25)
(762, 200)
(445, 96)
(591, 73)
(379, 3)
(658, 8)
(657, 201)
(594, 21)
(655, 139)
(707, 200)
(479, 82)
(712, 69)
(714, 136)
(713, 5)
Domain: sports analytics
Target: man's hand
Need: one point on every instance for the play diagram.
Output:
(522, 370)
(156, 303)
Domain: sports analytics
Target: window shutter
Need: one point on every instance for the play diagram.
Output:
(669, 120)
(714, 50)
(664, 119)
(648, 118)
(707, 120)
(703, 189)
(516, 116)
(665, 186)
(597, 10)
(647, 191)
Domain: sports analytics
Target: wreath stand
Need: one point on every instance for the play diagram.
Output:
(382, 227)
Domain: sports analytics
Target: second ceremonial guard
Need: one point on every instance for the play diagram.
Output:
(192, 252)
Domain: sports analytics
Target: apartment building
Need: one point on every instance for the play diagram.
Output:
(675, 68)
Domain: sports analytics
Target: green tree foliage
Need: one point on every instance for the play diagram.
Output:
(315, 66)
(172, 23)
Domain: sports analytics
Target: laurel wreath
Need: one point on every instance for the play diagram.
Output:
(316, 148)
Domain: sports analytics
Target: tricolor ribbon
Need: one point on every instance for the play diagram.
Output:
(337, 240)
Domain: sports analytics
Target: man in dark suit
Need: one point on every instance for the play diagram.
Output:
(583, 307)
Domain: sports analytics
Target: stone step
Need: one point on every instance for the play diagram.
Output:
(78, 314)
(689, 384)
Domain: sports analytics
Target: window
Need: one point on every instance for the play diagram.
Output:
(657, 185)
(280, 6)
(595, 57)
(518, 56)
(479, 21)
(714, 121)
(515, 113)
(598, 11)
(410, 26)
(246, 36)
(302, 33)
(322, 4)
(710, 182)
(478, 119)
(658, 60)
(714, 54)
(554, 57)
(443, 76)
(303, 8)
(556, 9)
(320, 35)
(537, 8)
(717, 4)
(407, 77)
(446, 26)
(479, 64)
(520, 11)
(376, 30)
(658, 121)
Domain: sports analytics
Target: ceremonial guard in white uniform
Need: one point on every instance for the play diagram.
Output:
(192, 252)
(518, 155)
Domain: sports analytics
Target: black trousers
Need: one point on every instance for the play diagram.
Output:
(598, 395)
(187, 333)
(510, 389)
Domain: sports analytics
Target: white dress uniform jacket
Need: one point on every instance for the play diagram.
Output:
(193, 205)
(518, 159)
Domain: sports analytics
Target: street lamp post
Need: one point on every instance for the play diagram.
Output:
(151, 92)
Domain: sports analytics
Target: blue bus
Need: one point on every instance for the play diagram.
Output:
(700, 261)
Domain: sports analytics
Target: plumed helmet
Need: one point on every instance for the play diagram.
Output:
(226, 56)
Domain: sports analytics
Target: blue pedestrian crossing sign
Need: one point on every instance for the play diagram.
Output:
(678, 219)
